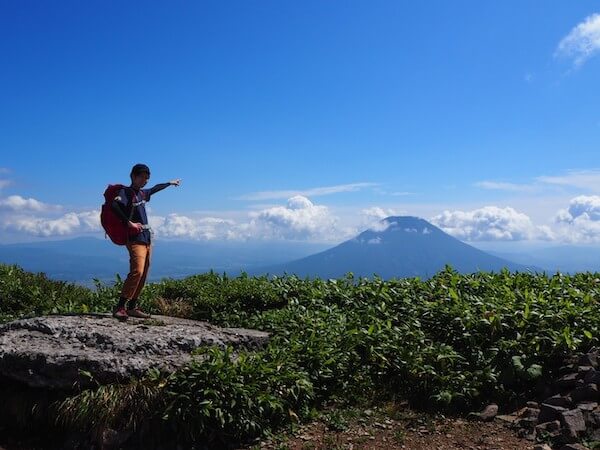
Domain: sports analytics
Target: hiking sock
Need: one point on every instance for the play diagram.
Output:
(122, 301)
(132, 303)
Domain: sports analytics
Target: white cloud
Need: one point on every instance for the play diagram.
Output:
(580, 223)
(313, 192)
(372, 218)
(490, 224)
(300, 219)
(65, 225)
(582, 42)
(582, 230)
(381, 226)
(90, 220)
(583, 205)
(4, 183)
(181, 226)
(21, 204)
(377, 213)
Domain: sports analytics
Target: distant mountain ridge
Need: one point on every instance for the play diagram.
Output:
(398, 246)
(558, 258)
(84, 258)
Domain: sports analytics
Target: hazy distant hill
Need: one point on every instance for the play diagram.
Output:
(563, 258)
(397, 247)
(83, 259)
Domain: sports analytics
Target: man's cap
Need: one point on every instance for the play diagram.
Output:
(139, 169)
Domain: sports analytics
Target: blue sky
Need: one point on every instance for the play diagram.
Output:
(356, 110)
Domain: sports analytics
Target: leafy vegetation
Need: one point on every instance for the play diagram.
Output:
(23, 293)
(449, 341)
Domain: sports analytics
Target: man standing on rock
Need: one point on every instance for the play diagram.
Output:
(129, 205)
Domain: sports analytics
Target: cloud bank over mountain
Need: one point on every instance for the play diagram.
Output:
(300, 219)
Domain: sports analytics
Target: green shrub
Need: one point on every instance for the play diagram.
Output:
(452, 340)
(23, 293)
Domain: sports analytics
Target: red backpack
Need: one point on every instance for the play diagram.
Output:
(113, 225)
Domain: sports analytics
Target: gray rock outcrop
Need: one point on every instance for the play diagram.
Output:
(572, 413)
(52, 351)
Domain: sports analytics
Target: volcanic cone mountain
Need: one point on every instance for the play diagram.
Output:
(396, 247)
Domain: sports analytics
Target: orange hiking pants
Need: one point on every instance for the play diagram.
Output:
(139, 263)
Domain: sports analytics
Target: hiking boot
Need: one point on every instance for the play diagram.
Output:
(137, 312)
(120, 313)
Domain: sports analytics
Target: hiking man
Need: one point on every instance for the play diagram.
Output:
(129, 206)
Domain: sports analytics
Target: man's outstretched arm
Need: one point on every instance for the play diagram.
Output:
(160, 187)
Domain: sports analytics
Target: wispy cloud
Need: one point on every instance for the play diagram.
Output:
(581, 179)
(380, 191)
(588, 180)
(376, 213)
(313, 192)
(582, 42)
(503, 186)
(3, 181)
(402, 194)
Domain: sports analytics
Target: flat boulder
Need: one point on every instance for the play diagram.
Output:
(55, 352)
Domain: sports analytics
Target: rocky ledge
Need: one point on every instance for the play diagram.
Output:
(56, 352)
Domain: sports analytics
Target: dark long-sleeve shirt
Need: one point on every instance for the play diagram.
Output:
(129, 198)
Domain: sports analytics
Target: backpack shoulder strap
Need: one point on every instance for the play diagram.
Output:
(130, 197)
